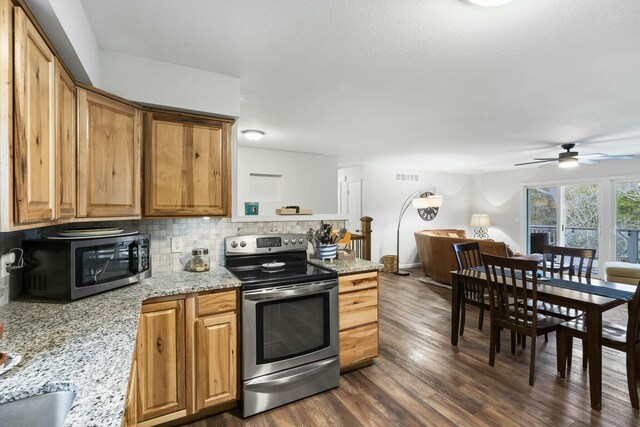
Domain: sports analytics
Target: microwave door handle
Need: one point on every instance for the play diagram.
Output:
(137, 266)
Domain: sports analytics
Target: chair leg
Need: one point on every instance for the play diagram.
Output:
(546, 337)
(524, 342)
(585, 356)
(463, 315)
(631, 379)
(532, 367)
(481, 318)
(569, 344)
(492, 345)
(498, 333)
(513, 342)
(561, 353)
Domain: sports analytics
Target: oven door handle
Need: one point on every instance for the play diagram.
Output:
(281, 294)
(260, 383)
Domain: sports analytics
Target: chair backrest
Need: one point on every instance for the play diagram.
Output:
(467, 255)
(507, 281)
(577, 261)
(633, 324)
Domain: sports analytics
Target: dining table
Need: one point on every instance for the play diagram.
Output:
(592, 296)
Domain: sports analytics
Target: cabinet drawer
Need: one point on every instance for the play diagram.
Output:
(216, 302)
(358, 308)
(357, 282)
(358, 344)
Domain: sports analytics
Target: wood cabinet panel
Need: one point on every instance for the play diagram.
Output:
(216, 341)
(65, 144)
(161, 359)
(34, 134)
(216, 303)
(358, 345)
(188, 163)
(358, 308)
(357, 282)
(109, 164)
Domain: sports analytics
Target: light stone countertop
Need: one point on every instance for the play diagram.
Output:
(348, 266)
(87, 345)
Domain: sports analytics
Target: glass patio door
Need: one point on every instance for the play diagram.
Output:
(564, 215)
(627, 231)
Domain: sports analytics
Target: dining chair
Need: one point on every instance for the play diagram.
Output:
(615, 336)
(468, 256)
(508, 280)
(578, 263)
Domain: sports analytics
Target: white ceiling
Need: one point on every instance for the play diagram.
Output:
(422, 84)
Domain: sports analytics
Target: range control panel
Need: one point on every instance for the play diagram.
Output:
(264, 244)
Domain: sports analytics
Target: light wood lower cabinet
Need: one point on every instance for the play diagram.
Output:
(216, 349)
(358, 319)
(161, 359)
(186, 359)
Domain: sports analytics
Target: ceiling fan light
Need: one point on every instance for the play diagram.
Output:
(569, 162)
(253, 134)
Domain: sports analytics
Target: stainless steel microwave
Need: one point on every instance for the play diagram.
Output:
(76, 268)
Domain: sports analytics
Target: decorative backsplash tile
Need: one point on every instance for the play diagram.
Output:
(196, 232)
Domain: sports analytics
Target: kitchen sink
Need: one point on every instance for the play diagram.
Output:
(44, 410)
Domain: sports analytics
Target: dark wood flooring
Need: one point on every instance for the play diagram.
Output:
(421, 379)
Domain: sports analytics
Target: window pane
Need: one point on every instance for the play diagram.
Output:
(627, 220)
(542, 217)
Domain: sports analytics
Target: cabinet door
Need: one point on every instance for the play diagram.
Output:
(108, 157)
(161, 359)
(216, 360)
(188, 166)
(34, 123)
(65, 144)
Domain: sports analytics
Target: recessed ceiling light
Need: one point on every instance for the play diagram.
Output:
(489, 3)
(252, 134)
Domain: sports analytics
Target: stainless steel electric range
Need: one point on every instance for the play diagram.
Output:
(289, 320)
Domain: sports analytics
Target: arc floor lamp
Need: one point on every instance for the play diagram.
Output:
(420, 199)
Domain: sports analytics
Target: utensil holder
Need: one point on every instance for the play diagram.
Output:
(328, 251)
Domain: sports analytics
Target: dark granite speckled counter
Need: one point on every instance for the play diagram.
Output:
(87, 345)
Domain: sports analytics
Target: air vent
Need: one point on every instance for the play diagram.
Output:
(407, 177)
(37, 282)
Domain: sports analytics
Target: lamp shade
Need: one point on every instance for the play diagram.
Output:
(480, 220)
(432, 201)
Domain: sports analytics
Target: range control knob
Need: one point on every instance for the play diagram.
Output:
(234, 244)
(243, 244)
(300, 240)
(286, 241)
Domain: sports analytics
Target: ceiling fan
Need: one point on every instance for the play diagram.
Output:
(570, 159)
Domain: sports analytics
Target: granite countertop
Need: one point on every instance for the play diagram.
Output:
(348, 266)
(87, 345)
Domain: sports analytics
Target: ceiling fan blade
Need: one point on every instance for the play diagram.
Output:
(547, 159)
(547, 165)
(537, 161)
(603, 156)
(589, 161)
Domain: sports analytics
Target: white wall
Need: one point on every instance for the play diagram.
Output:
(501, 194)
(164, 84)
(383, 197)
(308, 180)
(67, 26)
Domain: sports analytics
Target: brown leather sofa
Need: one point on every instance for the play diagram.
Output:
(435, 248)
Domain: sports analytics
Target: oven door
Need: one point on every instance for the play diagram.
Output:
(288, 326)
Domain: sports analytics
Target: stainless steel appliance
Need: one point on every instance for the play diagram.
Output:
(75, 268)
(289, 320)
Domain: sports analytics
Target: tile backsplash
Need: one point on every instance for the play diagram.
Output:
(196, 232)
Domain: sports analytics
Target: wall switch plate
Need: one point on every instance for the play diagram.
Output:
(177, 245)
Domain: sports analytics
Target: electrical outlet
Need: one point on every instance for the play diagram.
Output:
(177, 245)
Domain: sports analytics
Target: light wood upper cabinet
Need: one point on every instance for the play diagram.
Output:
(109, 162)
(216, 374)
(35, 146)
(161, 360)
(66, 143)
(188, 166)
